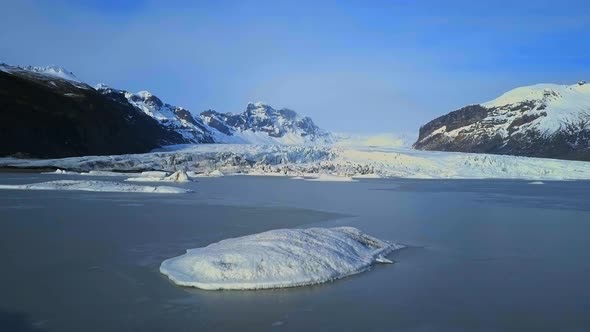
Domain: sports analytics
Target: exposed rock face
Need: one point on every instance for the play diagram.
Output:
(49, 115)
(545, 120)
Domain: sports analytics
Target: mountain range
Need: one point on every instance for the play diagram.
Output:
(49, 112)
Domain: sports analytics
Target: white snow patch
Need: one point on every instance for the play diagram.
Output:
(54, 71)
(104, 186)
(278, 258)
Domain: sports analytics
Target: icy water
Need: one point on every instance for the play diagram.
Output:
(483, 256)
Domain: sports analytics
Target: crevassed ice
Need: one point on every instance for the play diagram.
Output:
(278, 258)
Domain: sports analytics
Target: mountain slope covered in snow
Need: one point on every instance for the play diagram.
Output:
(258, 124)
(262, 124)
(544, 120)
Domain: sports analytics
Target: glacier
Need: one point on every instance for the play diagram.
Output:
(103, 186)
(278, 258)
(312, 161)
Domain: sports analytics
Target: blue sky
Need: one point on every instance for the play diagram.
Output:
(354, 66)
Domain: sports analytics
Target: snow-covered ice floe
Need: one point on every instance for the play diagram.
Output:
(105, 186)
(61, 172)
(331, 178)
(278, 258)
(107, 173)
(178, 176)
(537, 182)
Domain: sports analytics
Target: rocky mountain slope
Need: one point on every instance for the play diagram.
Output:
(49, 112)
(544, 120)
(46, 112)
(173, 118)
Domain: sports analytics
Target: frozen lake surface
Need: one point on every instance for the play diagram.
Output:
(483, 255)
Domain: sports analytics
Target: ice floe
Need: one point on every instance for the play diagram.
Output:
(61, 172)
(278, 258)
(331, 178)
(537, 182)
(107, 173)
(105, 186)
(213, 174)
(178, 176)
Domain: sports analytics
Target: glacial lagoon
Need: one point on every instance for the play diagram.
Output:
(482, 255)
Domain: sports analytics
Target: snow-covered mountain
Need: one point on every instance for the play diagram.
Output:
(174, 118)
(50, 105)
(259, 124)
(55, 71)
(544, 120)
(262, 124)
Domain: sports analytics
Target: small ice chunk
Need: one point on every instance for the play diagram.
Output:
(212, 174)
(104, 186)
(278, 258)
(60, 171)
(383, 260)
(216, 173)
(537, 182)
(332, 178)
(178, 176)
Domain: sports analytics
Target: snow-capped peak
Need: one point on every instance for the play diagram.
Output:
(55, 71)
(144, 94)
(257, 104)
(540, 92)
(101, 86)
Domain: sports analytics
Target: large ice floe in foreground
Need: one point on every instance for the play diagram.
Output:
(105, 186)
(278, 258)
